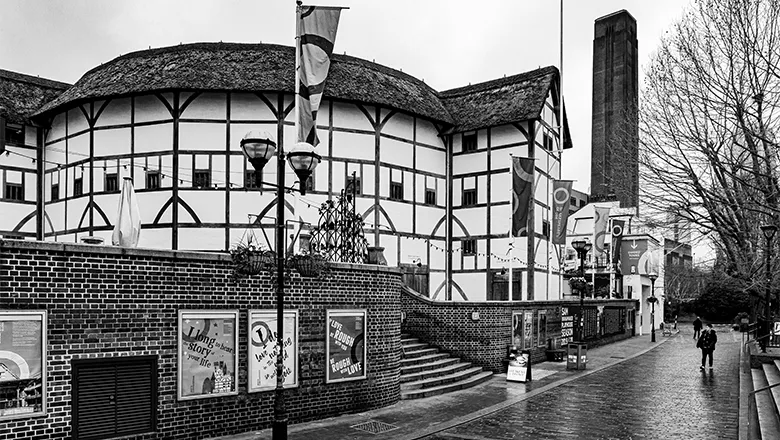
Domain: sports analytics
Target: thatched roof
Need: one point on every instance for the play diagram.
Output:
(21, 95)
(248, 68)
(268, 68)
(502, 101)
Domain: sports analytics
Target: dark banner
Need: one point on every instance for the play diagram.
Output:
(522, 194)
(561, 204)
(617, 240)
(346, 345)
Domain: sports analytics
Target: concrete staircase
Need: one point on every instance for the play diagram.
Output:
(425, 371)
(767, 402)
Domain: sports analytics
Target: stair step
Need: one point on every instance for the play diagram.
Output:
(441, 389)
(405, 341)
(768, 424)
(405, 362)
(773, 376)
(441, 379)
(436, 372)
(416, 346)
(412, 369)
(419, 353)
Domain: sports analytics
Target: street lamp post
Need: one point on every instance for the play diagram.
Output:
(653, 276)
(582, 247)
(769, 233)
(259, 148)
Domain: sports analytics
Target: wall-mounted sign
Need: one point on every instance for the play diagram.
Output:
(207, 353)
(345, 345)
(22, 363)
(264, 348)
(567, 325)
(634, 253)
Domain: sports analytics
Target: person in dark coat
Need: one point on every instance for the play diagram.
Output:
(696, 328)
(706, 343)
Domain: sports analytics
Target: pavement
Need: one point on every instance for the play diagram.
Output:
(651, 376)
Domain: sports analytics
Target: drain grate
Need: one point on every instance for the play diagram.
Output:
(374, 426)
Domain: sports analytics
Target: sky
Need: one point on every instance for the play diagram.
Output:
(446, 43)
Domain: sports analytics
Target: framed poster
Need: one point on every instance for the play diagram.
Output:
(345, 345)
(528, 329)
(517, 329)
(207, 353)
(22, 363)
(542, 332)
(264, 348)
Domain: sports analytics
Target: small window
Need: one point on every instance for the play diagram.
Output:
(310, 183)
(470, 142)
(152, 179)
(14, 133)
(547, 141)
(201, 179)
(573, 202)
(430, 196)
(14, 191)
(250, 179)
(78, 187)
(55, 192)
(353, 181)
(396, 191)
(582, 203)
(469, 247)
(546, 228)
(470, 197)
(112, 184)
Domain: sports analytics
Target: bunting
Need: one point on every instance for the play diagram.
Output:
(316, 32)
(601, 217)
(617, 240)
(522, 194)
(561, 197)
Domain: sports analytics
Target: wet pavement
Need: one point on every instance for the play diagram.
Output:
(632, 389)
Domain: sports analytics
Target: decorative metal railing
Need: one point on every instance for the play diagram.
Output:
(339, 234)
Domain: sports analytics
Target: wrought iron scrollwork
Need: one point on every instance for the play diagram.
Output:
(339, 234)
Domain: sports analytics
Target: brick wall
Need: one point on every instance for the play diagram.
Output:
(451, 327)
(107, 302)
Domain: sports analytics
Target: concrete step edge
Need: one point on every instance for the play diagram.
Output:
(428, 392)
(443, 379)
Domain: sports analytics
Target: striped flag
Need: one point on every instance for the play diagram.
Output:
(522, 194)
(561, 196)
(316, 33)
(600, 230)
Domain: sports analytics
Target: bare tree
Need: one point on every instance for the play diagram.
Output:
(708, 127)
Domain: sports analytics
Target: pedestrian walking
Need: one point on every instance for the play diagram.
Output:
(706, 343)
(696, 328)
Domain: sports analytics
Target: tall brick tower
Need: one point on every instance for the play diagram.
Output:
(614, 171)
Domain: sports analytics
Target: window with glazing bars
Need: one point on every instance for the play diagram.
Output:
(152, 179)
(396, 191)
(14, 191)
(78, 187)
(201, 179)
(470, 197)
(469, 246)
(430, 196)
(112, 183)
(55, 192)
(470, 142)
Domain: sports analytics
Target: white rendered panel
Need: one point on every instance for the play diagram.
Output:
(469, 163)
(399, 213)
(427, 133)
(155, 238)
(78, 148)
(75, 210)
(472, 284)
(115, 113)
(500, 159)
(482, 193)
(57, 130)
(76, 120)
(112, 142)
(427, 219)
(352, 146)
(151, 138)
(474, 220)
(206, 239)
(350, 116)
(203, 136)
(368, 180)
(248, 107)
(149, 108)
(219, 171)
(56, 213)
(431, 160)
(399, 125)
(109, 203)
(395, 152)
(150, 203)
(390, 243)
(499, 219)
(206, 106)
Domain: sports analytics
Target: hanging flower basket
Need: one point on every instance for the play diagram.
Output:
(249, 259)
(652, 299)
(308, 266)
(578, 283)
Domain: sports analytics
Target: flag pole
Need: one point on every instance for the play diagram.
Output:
(511, 233)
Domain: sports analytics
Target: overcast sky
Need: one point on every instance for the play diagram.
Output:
(446, 43)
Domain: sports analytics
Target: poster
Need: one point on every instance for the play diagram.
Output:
(517, 329)
(528, 329)
(263, 349)
(345, 345)
(519, 367)
(542, 331)
(207, 353)
(567, 326)
(22, 363)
